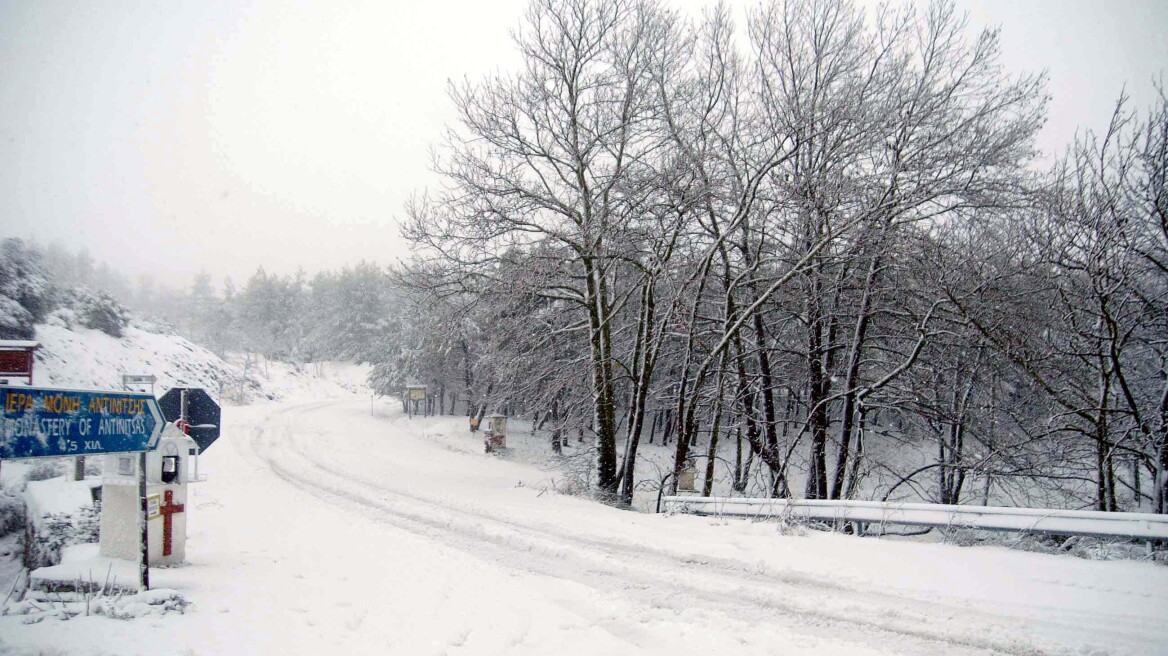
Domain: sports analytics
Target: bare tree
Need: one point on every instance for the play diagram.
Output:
(558, 153)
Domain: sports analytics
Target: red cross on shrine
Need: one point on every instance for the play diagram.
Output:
(167, 509)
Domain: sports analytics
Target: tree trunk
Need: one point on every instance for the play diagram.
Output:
(817, 420)
(468, 377)
(851, 379)
(1104, 489)
(712, 451)
(1161, 504)
(603, 403)
(643, 370)
(764, 371)
(746, 470)
(942, 467)
(1100, 470)
(818, 386)
(858, 459)
(557, 444)
(1136, 491)
(739, 479)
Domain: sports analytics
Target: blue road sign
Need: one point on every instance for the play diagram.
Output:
(39, 423)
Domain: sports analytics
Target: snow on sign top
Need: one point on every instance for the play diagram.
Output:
(39, 423)
(18, 344)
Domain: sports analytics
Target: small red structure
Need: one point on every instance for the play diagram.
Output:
(16, 358)
(166, 510)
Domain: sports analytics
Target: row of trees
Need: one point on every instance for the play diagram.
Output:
(334, 315)
(813, 231)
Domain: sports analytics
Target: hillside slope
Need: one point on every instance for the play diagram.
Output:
(90, 359)
(84, 358)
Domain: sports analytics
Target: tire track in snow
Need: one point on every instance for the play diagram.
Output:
(805, 604)
(262, 445)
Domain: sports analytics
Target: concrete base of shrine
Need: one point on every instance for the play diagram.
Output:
(120, 537)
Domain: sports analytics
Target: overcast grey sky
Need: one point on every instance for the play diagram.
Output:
(174, 137)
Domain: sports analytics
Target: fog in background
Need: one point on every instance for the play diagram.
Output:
(173, 138)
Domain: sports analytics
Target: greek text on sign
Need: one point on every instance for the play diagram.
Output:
(153, 503)
(37, 422)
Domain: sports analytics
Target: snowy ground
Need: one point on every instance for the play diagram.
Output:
(323, 529)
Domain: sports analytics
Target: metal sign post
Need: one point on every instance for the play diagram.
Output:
(143, 517)
(144, 524)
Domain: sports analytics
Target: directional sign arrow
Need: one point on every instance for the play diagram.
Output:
(40, 422)
(159, 422)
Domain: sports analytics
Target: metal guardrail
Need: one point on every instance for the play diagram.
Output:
(1140, 526)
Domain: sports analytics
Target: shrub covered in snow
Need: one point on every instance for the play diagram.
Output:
(59, 530)
(15, 321)
(1089, 548)
(11, 511)
(25, 292)
(44, 468)
(102, 312)
(39, 605)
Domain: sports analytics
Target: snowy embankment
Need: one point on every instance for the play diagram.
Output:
(323, 529)
(84, 358)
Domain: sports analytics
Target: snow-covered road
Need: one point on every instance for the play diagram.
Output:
(325, 530)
